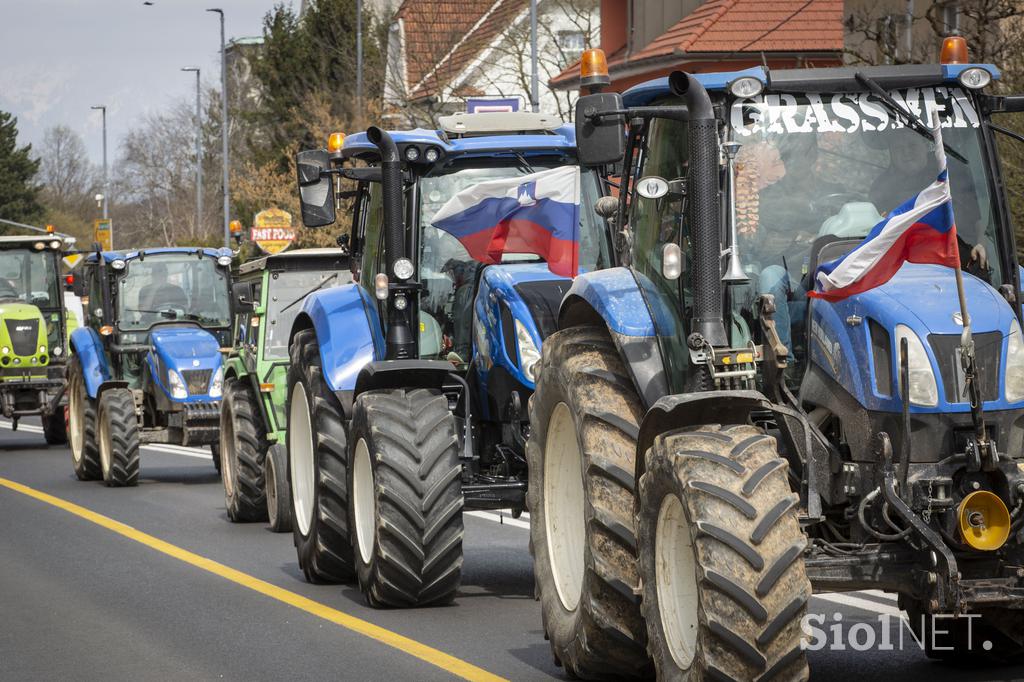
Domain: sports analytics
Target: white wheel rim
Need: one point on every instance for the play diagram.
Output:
(364, 502)
(227, 452)
(564, 520)
(76, 420)
(675, 568)
(105, 457)
(300, 454)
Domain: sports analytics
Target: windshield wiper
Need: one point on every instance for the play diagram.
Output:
(318, 287)
(909, 118)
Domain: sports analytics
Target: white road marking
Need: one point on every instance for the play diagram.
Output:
(197, 453)
(848, 599)
(499, 518)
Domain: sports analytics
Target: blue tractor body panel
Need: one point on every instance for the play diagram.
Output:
(348, 331)
(923, 298)
(87, 344)
(497, 289)
(614, 295)
(562, 139)
(645, 93)
(183, 349)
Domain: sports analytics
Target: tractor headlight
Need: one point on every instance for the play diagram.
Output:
(42, 349)
(57, 350)
(1014, 364)
(403, 268)
(923, 390)
(217, 385)
(176, 384)
(117, 264)
(529, 356)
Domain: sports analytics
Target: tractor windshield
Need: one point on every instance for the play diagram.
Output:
(447, 270)
(812, 166)
(287, 289)
(29, 276)
(169, 287)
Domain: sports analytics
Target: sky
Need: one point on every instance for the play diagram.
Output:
(60, 57)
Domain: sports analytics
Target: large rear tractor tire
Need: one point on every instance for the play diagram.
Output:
(278, 490)
(119, 438)
(406, 498)
(55, 429)
(585, 415)
(724, 585)
(85, 454)
(243, 448)
(317, 468)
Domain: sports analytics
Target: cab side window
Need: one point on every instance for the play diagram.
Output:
(372, 232)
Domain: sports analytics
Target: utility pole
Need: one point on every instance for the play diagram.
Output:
(359, 54)
(224, 127)
(199, 153)
(534, 92)
(106, 182)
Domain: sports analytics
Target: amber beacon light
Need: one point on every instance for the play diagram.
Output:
(954, 50)
(594, 68)
(335, 142)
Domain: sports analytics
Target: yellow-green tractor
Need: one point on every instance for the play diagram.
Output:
(33, 332)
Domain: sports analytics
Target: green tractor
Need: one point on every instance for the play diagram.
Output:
(268, 293)
(33, 333)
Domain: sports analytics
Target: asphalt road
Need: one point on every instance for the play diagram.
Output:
(153, 583)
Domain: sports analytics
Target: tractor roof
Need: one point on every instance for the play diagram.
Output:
(480, 134)
(830, 79)
(110, 256)
(25, 240)
(281, 258)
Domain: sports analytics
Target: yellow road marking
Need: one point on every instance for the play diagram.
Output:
(421, 651)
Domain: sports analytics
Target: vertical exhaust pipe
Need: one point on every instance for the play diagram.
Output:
(400, 342)
(703, 210)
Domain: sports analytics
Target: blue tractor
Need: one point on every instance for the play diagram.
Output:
(408, 388)
(146, 364)
(709, 445)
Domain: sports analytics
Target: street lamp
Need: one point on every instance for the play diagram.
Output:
(199, 152)
(106, 185)
(224, 125)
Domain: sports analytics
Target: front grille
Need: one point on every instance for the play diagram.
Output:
(543, 298)
(24, 335)
(197, 380)
(987, 349)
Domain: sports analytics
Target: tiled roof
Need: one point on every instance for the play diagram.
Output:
(443, 37)
(741, 27)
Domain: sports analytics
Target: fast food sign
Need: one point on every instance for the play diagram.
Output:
(272, 230)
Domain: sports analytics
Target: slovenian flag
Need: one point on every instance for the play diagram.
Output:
(537, 213)
(920, 230)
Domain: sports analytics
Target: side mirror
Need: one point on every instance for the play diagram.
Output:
(316, 189)
(600, 139)
(241, 292)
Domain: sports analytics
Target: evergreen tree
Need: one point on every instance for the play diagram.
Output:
(18, 190)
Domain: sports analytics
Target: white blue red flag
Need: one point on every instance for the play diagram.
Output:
(537, 213)
(920, 230)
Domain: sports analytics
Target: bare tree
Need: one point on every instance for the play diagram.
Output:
(64, 169)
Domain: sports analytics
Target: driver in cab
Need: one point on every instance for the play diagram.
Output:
(161, 294)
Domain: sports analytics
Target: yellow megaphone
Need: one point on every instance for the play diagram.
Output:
(984, 521)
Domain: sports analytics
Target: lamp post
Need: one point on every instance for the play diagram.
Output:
(359, 54)
(199, 152)
(224, 126)
(106, 184)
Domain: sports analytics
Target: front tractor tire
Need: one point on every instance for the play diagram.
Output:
(317, 468)
(85, 454)
(243, 448)
(406, 498)
(724, 585)
(119, 438)
(585, 415)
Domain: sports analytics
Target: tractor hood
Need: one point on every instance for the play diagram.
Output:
(861, 332)
(22, 335)
(194, 355)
